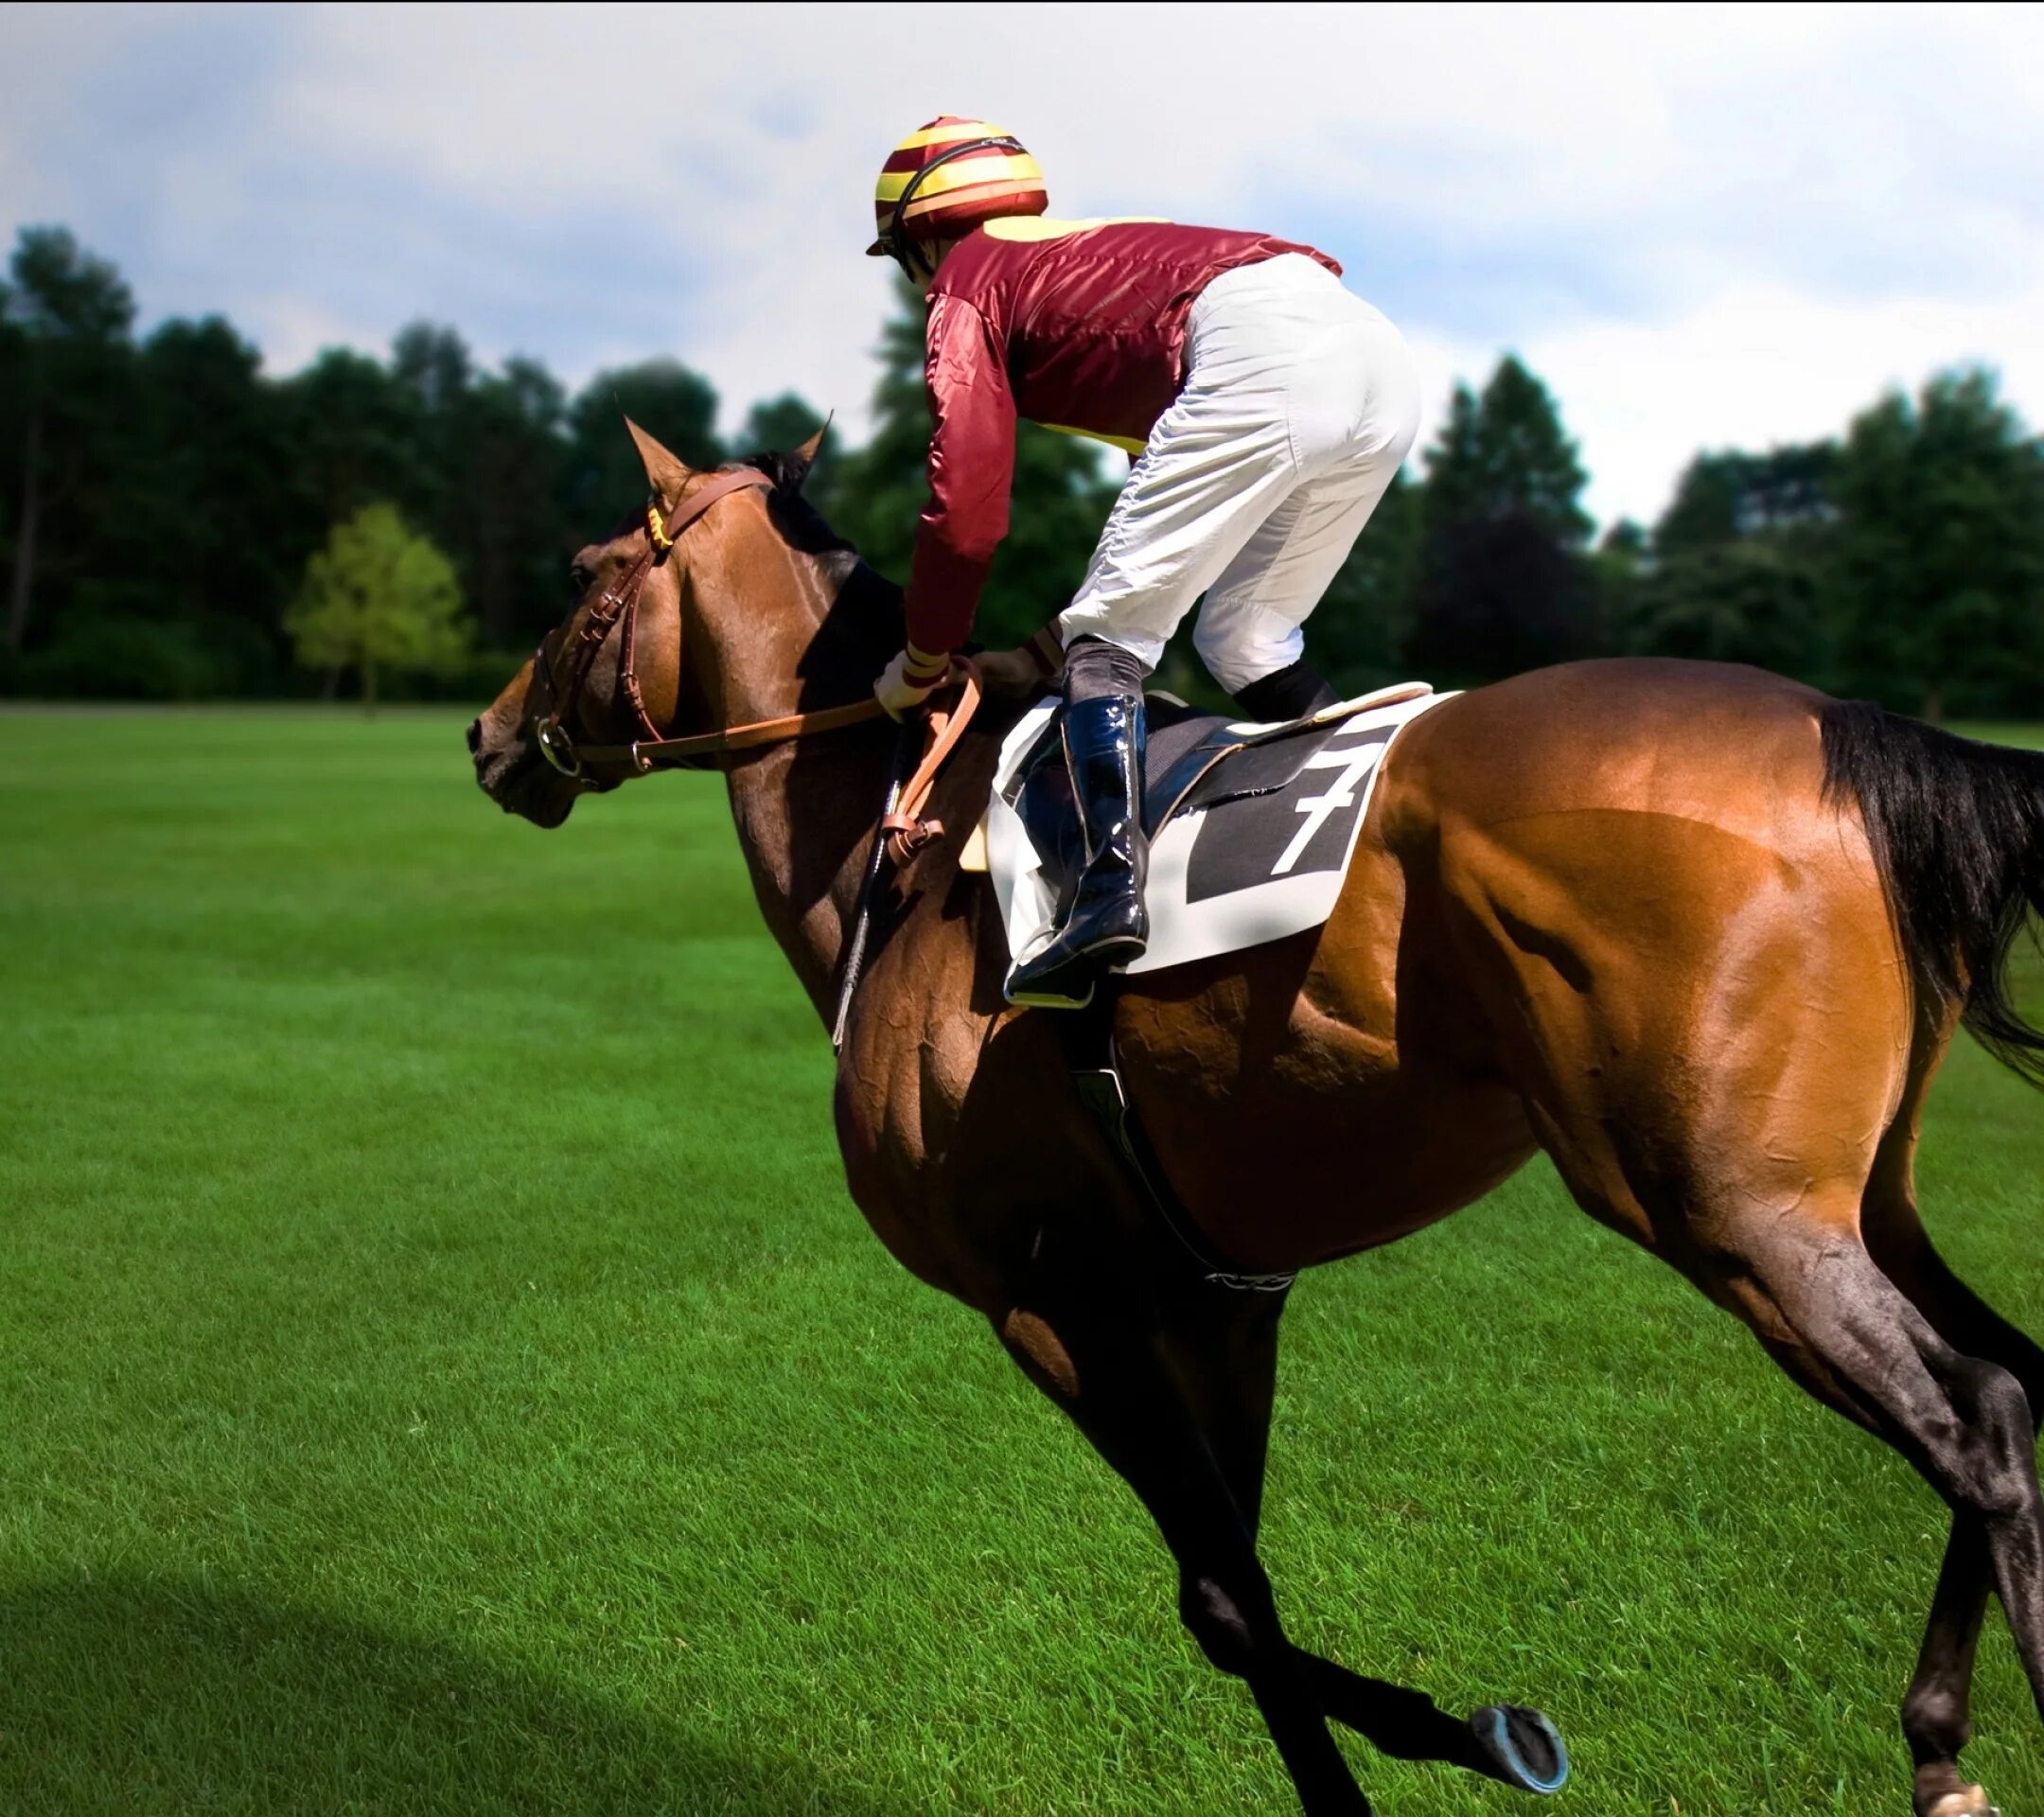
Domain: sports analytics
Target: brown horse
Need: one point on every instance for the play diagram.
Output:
(1700, 933)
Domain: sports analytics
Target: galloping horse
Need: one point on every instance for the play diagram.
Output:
(1701, 933)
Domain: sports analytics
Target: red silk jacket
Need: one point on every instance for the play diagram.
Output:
(1075, 325)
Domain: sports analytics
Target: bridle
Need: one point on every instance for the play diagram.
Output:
(618, 610)
(906, 831)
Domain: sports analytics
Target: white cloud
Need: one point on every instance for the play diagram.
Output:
(1700, 226)
(290, 328)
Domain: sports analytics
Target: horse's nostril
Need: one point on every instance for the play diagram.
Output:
(475, 737)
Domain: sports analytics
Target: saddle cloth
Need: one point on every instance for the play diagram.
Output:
(1251, 826)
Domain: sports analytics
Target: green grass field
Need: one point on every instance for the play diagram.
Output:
(441, 1371)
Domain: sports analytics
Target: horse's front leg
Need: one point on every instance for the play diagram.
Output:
(1086, 1329)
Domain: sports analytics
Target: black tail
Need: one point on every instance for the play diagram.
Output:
(1957, 829)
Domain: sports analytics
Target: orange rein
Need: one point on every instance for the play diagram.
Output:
(906, 832)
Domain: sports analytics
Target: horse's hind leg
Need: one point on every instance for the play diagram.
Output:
(1936, 1714)
(1805, 1280)
(1715, 1064)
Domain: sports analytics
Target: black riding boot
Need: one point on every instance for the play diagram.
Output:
(1108, 925)
(1291, 694)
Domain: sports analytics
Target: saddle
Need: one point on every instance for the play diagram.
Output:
(1251, 826)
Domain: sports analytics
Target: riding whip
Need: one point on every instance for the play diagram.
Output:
(907, 745)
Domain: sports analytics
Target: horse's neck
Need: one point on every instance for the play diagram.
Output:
(805, 810)
(807, 851)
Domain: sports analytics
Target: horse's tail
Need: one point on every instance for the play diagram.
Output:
(1957, 829)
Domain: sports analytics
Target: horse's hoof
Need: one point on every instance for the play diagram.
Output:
(1969, 1801)
(1525, 1748)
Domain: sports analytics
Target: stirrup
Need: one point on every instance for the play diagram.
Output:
(1042, 1000)
(1091, 966)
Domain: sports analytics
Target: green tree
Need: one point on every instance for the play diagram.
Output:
(1621, 570)
(1624, 545)
(493, 458)
(1754, 599)
(377, 596)
(1738, 566)
(356, 437)
(1938, 586)
(68, 314)
(1060, 499)
(1729, 494)
(516, 456)
(432, 362)
(431, 370)
(501, 519)
(884, 485)
(207, 536)
(775, 425)
(1502, 583)
(780, 424)
(1060, 503)
(479, 460)
(1506, 454)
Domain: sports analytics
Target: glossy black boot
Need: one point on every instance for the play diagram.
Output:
(1108, 925)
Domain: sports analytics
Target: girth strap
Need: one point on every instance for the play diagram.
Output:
(1096, 1075)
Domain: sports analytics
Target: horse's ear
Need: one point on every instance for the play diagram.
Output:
(808, 453)
(666, 473)
(791, 470)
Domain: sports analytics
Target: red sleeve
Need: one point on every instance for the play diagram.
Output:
(971, 469)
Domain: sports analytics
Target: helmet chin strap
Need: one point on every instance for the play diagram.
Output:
(907, 256)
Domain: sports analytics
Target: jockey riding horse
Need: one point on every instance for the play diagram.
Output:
(1266, 409)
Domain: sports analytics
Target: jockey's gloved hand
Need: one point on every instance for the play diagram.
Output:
(910, 679)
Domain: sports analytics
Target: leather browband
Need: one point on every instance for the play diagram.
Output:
(694, 503)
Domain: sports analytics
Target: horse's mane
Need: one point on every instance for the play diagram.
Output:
(801, 524)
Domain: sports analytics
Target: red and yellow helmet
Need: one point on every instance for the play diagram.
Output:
(947, 177)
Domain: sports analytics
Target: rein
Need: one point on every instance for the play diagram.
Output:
(903, 829)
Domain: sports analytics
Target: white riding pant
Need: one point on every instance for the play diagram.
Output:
(1300, 404)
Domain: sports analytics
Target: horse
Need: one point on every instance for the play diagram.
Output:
(1701, 933)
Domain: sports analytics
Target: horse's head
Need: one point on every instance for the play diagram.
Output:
(622, 665)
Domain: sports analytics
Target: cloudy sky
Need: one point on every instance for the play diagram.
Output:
(1700, 226)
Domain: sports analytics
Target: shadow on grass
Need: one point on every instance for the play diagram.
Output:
(152, 1699)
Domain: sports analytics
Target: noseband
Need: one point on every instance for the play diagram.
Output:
(620, 602)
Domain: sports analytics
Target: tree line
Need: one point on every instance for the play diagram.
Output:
(174, 523)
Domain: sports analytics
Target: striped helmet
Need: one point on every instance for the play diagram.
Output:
(947, 177)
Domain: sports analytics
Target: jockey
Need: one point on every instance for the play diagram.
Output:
(1267, 411)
